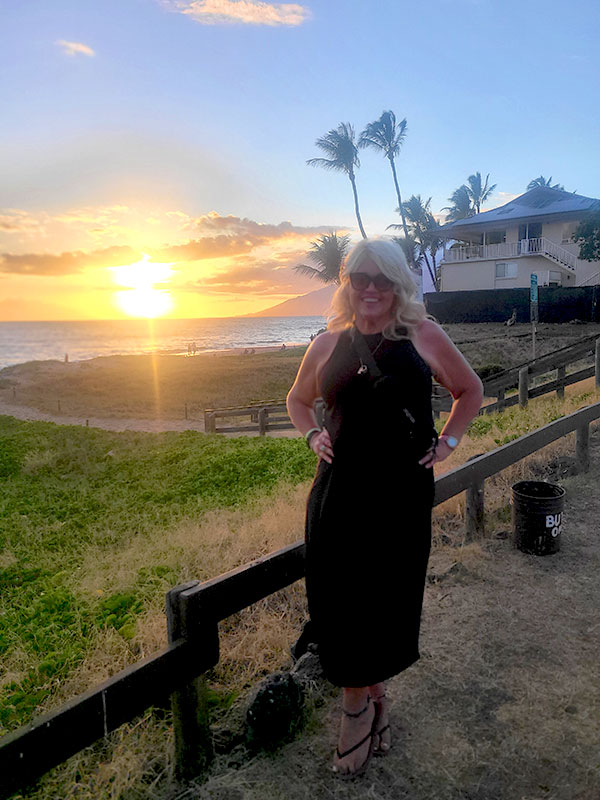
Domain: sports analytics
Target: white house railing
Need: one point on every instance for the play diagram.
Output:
(525, 247)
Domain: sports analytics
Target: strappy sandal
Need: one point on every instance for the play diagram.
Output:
(379, 748)
(371, 735)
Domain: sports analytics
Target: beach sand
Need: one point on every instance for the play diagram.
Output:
(147, 393)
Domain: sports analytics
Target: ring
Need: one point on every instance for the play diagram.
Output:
(322, 447)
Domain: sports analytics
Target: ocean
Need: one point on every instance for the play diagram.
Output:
(40, 341)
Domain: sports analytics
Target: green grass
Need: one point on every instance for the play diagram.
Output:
(66, 490)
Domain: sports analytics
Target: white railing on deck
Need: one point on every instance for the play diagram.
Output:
(526, 247)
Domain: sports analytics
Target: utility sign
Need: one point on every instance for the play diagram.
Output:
(533, 298)
(533, 294)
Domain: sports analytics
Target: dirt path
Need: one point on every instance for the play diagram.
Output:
(106, 423)
(121, 424)
(505, 702)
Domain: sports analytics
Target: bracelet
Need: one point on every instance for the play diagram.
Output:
(309, 434)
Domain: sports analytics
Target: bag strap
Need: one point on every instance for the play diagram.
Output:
(364, 352)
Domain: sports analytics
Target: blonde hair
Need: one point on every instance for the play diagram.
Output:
(391, 261)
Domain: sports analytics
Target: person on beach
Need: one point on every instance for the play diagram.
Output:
(368, 520)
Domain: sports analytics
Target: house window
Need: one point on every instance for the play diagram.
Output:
(532, 230)
(506, 269)
(554, 278)
(495, 237)
(568, 232)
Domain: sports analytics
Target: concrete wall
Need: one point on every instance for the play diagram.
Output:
(473, 274)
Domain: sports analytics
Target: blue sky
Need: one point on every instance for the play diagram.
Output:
(124, 111)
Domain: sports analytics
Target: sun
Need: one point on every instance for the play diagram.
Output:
(140, 298)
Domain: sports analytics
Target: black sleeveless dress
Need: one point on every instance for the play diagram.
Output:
(368, 522)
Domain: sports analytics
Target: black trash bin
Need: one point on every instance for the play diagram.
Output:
(537, 511)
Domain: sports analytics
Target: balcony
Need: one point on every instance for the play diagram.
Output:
(526, 247)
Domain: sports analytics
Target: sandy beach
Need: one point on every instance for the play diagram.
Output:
(147, 393)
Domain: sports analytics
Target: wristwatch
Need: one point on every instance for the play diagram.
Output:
(451, 441)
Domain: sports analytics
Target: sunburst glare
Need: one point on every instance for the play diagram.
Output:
(141, 298)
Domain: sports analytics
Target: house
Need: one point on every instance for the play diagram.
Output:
(501, 248)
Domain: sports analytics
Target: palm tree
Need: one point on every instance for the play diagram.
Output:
(328, 252)
(478, 193)
(461, 207)
(541, 181)
(411, 250)
(387, 137)
(423, 230)
(339, 145)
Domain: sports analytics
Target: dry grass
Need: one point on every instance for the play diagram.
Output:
(502, 706)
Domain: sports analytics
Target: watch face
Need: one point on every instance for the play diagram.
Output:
(452, 441)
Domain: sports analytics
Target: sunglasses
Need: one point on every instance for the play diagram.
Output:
(361, 280)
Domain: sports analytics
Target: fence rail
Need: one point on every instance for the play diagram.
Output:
(272, 415)
(194, 610)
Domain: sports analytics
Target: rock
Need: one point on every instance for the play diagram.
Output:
(275, 711)
(308, 668)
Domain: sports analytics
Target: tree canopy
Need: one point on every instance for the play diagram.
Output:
(328, 253)
(587, 236)
(541, 181)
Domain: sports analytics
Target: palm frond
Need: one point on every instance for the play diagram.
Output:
(384, 135)
(328, 251)
(311, 272)
(541, 181)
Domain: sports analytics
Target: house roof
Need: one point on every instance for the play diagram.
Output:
(542, 201)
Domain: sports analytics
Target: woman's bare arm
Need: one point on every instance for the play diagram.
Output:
(305, 390)
(452, 371)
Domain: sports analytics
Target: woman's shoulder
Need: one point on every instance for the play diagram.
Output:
(429, 332)
(325, 341)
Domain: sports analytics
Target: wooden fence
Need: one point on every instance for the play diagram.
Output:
(272, 415)
(194, 610)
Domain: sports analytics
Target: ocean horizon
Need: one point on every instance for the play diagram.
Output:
(81, 340)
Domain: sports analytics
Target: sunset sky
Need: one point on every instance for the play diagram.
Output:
(172, 135)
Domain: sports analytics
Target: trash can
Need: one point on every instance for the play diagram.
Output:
(537, 511)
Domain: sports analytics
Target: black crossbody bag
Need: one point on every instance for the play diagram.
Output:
(421, 437)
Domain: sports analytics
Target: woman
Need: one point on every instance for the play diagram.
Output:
(368, 526)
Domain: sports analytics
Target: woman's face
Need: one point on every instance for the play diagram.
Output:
(371, 305)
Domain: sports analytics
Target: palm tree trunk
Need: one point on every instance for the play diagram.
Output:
(436, 276)
(400, 209)
(360, 225)
(431, 274)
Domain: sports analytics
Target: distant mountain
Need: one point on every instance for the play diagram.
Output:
(313, 304)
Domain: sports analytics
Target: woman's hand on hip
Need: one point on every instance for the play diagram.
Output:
(320, 443)
(437, 452)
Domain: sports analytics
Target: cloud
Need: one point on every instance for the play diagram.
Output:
(75, 48)
(213, 222)
(218, 237)
(201, 249)
(263, 276)
(15, 220)
(66, 263)
(231, 236)
(246, 12)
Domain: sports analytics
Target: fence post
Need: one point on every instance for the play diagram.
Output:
(262, 421)
(582, 448)
(210, 422)
(475, 507)
(194, 751)
(561, 373)
(597, 363)
(500, 400)
(523, 387)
